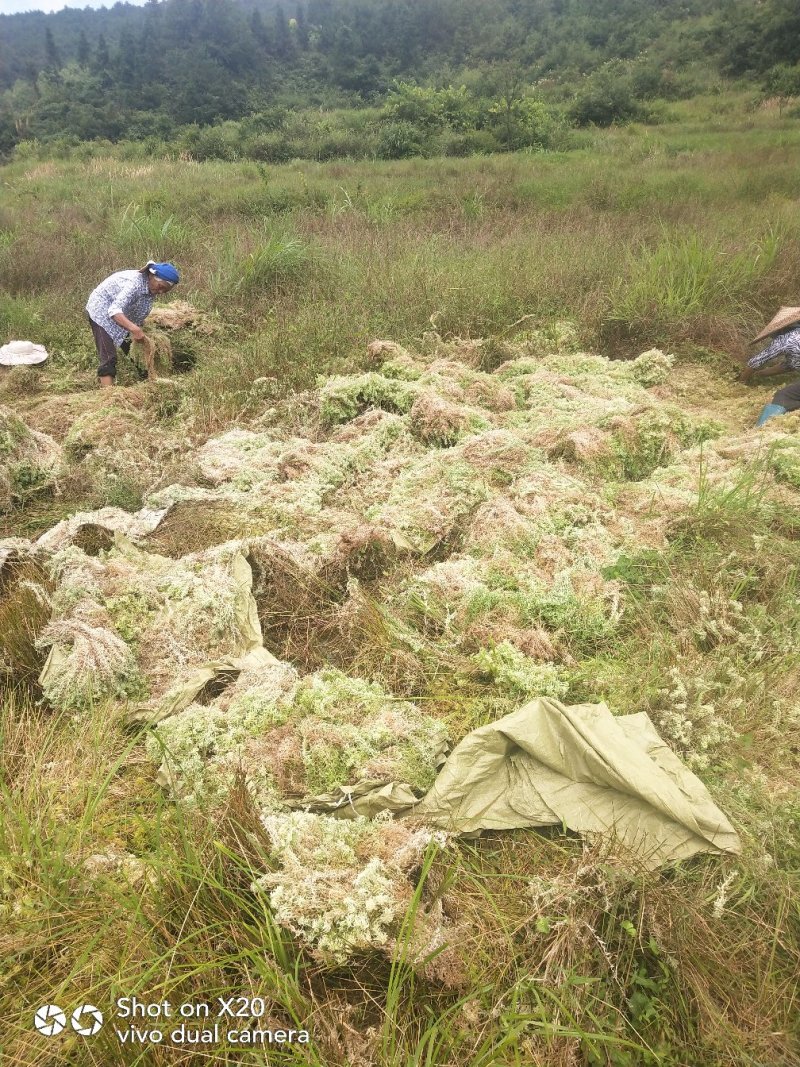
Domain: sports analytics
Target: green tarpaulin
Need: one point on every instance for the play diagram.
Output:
(549, 764)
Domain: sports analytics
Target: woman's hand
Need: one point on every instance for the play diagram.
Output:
(136, 332)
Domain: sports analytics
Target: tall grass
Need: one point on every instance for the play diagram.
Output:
(671, 285)
(643, 237)
(140, 232)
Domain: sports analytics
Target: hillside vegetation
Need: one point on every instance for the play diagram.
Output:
(377, 78)
(429, 440)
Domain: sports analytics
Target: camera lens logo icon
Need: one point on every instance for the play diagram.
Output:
(50, 1020)
(86, 1020)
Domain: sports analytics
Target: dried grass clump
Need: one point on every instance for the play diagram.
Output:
(20, 381)
(365, 551)
(24, 611)
(498, 525)
(113, 454)
(191, 526)
(240, 456)
(6, 498)
(297, 486)
(29, 460)
(441, 423)
(588, 445)
(178, 315)
(379, 351)
(429, 502)
(499, 454)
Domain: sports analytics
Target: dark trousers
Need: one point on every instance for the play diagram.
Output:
(106, 351)
(788, 397)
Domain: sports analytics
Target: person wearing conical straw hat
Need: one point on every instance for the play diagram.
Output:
(118, 307)
(784, 331)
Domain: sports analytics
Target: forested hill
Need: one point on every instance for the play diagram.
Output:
(141, 71)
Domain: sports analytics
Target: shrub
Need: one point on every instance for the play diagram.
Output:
(606, 98)
(400, 140)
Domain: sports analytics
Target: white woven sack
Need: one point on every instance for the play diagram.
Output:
(22, 354)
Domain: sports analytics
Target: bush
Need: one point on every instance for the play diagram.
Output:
(399, 140)
(213, 142)
(269, 148)
(606, 98)
(470, 143)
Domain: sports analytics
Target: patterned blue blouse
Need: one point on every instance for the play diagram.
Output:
(786, 342)
(127, 293)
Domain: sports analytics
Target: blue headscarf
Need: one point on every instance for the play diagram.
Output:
(165, 271)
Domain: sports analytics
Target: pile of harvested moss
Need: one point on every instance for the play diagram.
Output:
(427, 520)
(29, 460)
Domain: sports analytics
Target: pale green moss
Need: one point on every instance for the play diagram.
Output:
(88, 664)
(202, 750)
(353, 729)
(657, 437)
(342, 398)
(784, 461)
(341, 885)
(518, 675)
(403, 369)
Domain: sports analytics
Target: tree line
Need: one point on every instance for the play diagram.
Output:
(173, 66)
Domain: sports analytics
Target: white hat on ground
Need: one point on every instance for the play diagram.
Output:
(22, 354)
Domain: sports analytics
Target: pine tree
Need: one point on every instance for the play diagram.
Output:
(84, 51)
(51, 52)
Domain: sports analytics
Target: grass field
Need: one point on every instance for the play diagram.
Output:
(677, 529)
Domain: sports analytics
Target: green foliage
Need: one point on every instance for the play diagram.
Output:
(518, 675)
(343, 399)
(26, 477)
(606, 97)
(782, 82)
(683, 276)
(432, 109)
(399, 140)
(784, 459)
(227, 91)
(653, 441)
(141, 232)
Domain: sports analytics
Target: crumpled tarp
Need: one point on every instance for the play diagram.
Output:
(133, 525)
(182, 695)
(549, 764)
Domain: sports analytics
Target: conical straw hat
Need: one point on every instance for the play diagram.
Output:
(785, 317)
